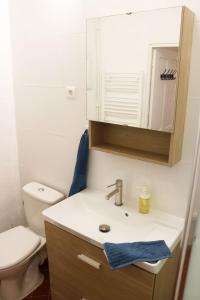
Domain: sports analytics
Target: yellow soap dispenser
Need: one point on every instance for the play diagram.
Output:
(144, 200)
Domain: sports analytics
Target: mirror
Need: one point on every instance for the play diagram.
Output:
(132, 66)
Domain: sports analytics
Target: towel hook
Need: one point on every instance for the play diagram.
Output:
(168, 74)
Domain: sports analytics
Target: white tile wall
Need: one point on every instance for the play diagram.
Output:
(10, 198)
(48, 54)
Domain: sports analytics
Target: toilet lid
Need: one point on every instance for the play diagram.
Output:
(15, 245)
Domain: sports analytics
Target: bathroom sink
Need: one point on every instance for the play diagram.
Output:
(83, 213)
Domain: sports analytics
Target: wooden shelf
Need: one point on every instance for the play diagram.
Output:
(138, 143)
(133, 153)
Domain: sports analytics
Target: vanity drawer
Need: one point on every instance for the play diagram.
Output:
(79, 270)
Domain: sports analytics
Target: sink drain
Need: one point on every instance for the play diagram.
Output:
(104, 228)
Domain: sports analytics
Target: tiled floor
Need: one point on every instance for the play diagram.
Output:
(43, 292)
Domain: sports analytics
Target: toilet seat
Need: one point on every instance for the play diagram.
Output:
(16, 244)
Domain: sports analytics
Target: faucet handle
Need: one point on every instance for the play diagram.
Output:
(111, 185)
(117, 182)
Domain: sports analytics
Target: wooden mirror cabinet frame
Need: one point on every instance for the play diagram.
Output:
(145, 144)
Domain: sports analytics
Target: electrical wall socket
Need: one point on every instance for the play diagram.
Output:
(71, 92)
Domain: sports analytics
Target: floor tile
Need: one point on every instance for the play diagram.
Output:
(43, 289)
(40, 298)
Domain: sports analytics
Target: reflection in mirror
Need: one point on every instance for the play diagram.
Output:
(163, 88)
(132, 64)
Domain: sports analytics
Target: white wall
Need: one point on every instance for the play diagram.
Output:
(192, 288)
(48, 39)
(48, 53)
(170, 186)
(10, 201)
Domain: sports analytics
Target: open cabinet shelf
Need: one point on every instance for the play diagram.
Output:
(131, 142)
(133, 153)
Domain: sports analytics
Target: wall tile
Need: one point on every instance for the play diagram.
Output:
(48, 55)
(10, 199)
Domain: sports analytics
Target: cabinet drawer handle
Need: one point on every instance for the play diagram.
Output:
(89, 261)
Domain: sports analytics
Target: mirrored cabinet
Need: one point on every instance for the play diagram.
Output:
(137, 83)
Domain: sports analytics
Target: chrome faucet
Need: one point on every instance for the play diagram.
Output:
(117, 192)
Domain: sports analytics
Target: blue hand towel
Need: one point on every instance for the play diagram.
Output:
(79, 182)
(124, 254)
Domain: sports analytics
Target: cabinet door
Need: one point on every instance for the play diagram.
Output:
(74, 279)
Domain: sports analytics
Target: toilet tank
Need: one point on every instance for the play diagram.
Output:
(37, 197)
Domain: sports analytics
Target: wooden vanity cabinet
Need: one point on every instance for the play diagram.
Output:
(73, 279)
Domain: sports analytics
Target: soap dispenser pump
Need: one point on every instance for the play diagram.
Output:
(144, 200)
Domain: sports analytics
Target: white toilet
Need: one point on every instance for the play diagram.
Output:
(22, 249)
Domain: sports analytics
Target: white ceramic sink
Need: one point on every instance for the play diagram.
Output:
(82, 214)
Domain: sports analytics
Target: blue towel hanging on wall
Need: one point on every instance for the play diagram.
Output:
(79, 182)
